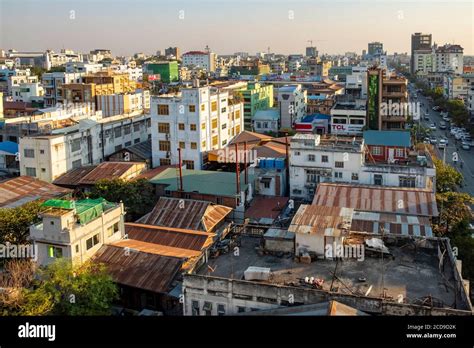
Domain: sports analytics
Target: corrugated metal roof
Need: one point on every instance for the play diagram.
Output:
(74, 176)
(158, 249)
(387, 138)
(23, 189)
(139, 269)
(173, 237)
(314, 219)
(249, 137)
(398, 200)
(108, 170)
(143, 149)
(186, 213)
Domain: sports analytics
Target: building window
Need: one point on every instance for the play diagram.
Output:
(378, 179)
(223, 110)
(240, 309)
(214, 140)
(163, 110)
(91, 242)
(127, 129)
(311, 158)
(339, 164)
(399, 152)
(192, 108)
(193, 146)
(111, 230)
(118, 148)
(203, 126)
(192, 127)
(77, 248)
(237, 114)
(207, 308)
(188, 164)
(165, 161)
(163, 127)
(195, 307)
(312, 176)
(77, 164)
(266, 184)
(55, 252)
(164, 145)
(214, 123)
(30, 171)
(220, 309)
(203, 107)
(406, 181)
(324, 159)
(224, 126)
(214, 106)
(182, 145)
(181, 126)
(42, 152)
(355, 176)
(75, 145)
(338, 175)
(376, 150)
(136, 141)
(237, 129)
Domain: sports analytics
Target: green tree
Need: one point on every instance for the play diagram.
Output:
(37, 71)
(461, 237)
(15, 222)
(447, 178)
(454, 209)
(63, 289)
(137, 195)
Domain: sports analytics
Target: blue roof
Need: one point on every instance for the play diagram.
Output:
(387, 138)
(310, 118)
(317, 97)
(9, 146)
(267, 114)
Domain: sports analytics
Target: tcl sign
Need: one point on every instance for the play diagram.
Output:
(347, 129)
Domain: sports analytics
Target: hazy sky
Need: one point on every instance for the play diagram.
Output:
(228, 26)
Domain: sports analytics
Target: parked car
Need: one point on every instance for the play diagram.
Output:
(442, 144)
(433, 140)
(465, 145)
(442, 125)
(435, 108)
(433, 126)
(427, 116)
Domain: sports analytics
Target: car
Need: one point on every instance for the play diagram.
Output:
(433, 140)
(435, 108)
(465, 145)
(433, 126)
(446, 118)
(442, 144)
(442, 125)
(427, 116)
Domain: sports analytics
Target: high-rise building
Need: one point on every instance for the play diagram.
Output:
(311, 52)
(419, 41)
(375, 49)
(206, 60)
(172, 51)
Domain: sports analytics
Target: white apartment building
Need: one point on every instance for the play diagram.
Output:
(75, 230)
(205, 60)
(457, 86)
(16, 80)
(28, 92)
(424, 62)
(356, 82)
(89, 142)
(196, 120)
(348, 117)
(83, 67)
(127, 103)
(292, 105)
(315, 159)
(134, 73)
(449, 58)
(52, 83)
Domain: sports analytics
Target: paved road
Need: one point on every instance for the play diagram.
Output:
(465, 156)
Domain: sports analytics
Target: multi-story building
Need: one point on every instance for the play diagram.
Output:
(173, 52)
(22, 77)
(28, 92)
(292, 105)
(356, 82)
(423, 62)
(375, 49)
(348, 116)
(206, 60)
(126, 103)
(75, 230)
(419, 42)
(51, 154)
(196, 120)
(52, 84)
(311, 51)
(82, 67)
(381, 158)
(455, 87)
(318, 67)
(256, 97)
(449, 58)
(167, 70)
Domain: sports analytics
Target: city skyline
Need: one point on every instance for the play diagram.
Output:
(249, 26)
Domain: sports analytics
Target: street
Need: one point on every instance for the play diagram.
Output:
(464, 156)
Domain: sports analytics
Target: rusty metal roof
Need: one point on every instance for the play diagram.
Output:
(109, 170)
(398, 200)
(139, 269)
(168, 236)
(315, 219)
(23, 189)
(186, 214)
(249, 137)
(158, 249)
(74, 176)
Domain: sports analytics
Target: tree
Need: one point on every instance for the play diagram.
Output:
(37, 71)
(137, 195)
(62, 289)
(15, 222)
(447, 178)
(461, 238)
(454, 209)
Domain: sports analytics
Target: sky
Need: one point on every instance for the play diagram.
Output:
(227, 26)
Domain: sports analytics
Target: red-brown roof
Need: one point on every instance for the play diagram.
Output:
(398, 200)
(187, 214)
(139, 269)
(168, 236)
(74, 176)
(265, 207)
(23, 189)
(249, 137)
(151, 173)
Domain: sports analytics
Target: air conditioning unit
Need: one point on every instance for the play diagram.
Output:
(168, 154)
